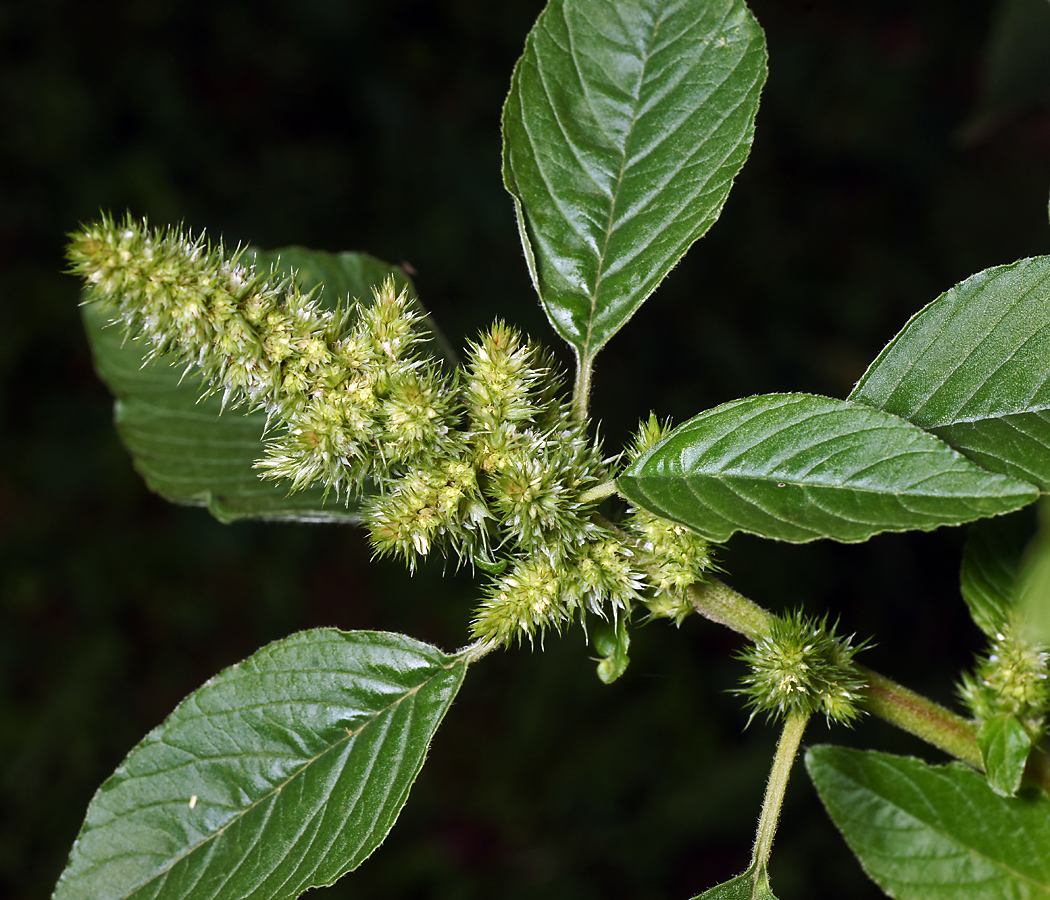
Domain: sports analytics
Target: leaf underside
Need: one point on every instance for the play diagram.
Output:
(280, 774)
(188, 450)
(798, 467)
(926, 832)
(973, 367)
(626, 123)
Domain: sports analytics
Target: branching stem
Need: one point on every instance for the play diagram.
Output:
(883, 697)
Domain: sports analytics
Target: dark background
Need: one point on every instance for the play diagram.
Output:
(879, 178)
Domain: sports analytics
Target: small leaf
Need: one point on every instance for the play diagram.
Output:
(934, 833)
(280, 774)
(625, 126)
(990, 563)
(184, 449)
(611, 642)
(798, 467)
(973, 367)
(747, 886)
(1004, 746)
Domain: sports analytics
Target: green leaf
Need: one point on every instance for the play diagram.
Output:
(990, 564)
(626, 123)
(934, 833)
(747, 886)
(280, 774)
(797, 467)
(973, 367)
(1033, 583)
(1004, 746)
(184, 449)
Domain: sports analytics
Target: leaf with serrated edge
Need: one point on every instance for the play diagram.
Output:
(973, 367)
(625, 126)
(926, 832)
(798, 467)
(182, 447)
(280, 774)
(743, 887)
(1004, 746)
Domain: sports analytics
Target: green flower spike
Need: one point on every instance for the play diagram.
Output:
(348, 385)
(672, 556)
(1011, 678)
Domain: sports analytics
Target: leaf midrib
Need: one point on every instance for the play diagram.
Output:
(457, 660)
(1044, 886)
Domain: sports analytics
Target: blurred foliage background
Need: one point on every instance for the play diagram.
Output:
(901, 147)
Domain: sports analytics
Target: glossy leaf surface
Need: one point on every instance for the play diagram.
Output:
(626, 123)
(1004, 746)
(926, 832)
(184, 449)
(973, 367)
(797, 467)
(280, 774)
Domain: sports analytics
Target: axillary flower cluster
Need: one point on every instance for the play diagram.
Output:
(485, 462)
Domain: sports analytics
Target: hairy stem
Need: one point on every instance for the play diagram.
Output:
(581, 391)
(922, 717)
(783, 760)
(599, 493)
(716, 601)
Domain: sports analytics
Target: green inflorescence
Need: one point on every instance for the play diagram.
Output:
(486, 464)
(1010, 678)
(803, 667)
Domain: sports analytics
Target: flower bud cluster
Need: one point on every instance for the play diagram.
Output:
(803, 667)
(1010, 678)
(673, 556)
(487, 463)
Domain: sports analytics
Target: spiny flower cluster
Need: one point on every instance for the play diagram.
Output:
(348, 384)
(1010, 678)
(486, 464)
(673, 556)
(803, 667)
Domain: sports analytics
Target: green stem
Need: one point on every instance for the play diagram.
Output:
(716, 601)
(783, 760)
(600, 492)
(922, 717)
(581, 392)
(884, 698)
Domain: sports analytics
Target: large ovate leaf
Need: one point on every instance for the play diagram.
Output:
(798, 467)
(280, 774)
(626, 123)
(973, 367)
(926, 832)
(187, 449)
